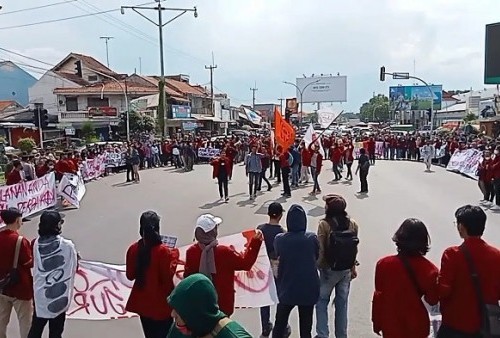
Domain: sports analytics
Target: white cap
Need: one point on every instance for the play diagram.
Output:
(208, 222)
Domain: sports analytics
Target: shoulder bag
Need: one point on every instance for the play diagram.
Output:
(12, 277)
(219, 327)
(490, 313)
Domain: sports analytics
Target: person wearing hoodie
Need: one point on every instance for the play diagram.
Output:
(298, 280)
(196, 314)
(219, 262)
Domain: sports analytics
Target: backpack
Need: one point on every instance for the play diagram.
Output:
(342, 249)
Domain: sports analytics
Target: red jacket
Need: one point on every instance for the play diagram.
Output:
(306, 157)
(41, 170)
(319, 162)
(284, 159)
(24, 289)
(485, 170)
(459, 306)
(227, 262)
(150, 301)
(397, 309)
(495, 167)
(370, 145)
(216, 163)
(335, 155)
(349, 154)
(13, 177)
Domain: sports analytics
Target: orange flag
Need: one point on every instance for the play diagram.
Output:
(284, 132)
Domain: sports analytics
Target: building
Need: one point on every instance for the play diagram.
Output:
(14, 83)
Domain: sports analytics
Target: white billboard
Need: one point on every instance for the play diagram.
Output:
(322, 89)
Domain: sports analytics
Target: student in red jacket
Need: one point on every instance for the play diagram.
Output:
(495, 169)
(485, 173)
(349, 159)
(219, 262)
(151, 265)
(458, 297)
(336, 158)
(222, 171)
(305, 155)
(15, 175)
(397, 308)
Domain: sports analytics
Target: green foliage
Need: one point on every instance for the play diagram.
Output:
(26, 145)
(88, 132)
(138, 123)
(376, 109)
(471, 117)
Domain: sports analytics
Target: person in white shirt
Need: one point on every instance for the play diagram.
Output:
(427, 153)
(55, 262)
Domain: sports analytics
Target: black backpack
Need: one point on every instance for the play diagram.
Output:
(342, 249)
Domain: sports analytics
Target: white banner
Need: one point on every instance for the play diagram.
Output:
(72, 188)
(326, 117)
(208, 152)
(30, 197)
(465, 162)
(102, 290)
(114, 160)
(93, 168)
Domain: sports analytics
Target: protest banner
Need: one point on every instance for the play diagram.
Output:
(93, 168)
(101, 290)
(72, 188)
(30, 197)
(465, 162)
(208, 152)
(326, 116)
(114, 160)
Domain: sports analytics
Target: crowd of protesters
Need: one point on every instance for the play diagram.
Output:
(307, 268)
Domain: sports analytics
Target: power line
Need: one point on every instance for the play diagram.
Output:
(58, 20)
(38, 7)
(26, 57)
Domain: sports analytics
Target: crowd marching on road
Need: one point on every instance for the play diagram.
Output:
(36, 278)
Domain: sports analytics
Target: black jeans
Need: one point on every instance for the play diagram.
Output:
(315, 174)
(446, 332)
(223, 186)
(253, 183)
(155, 328)
(283, 314)
(277, 170)
(263, 177)
(285, 176)
(363, 178)
(349, 171)
(336, 171)
(489, 192)
(130, 172)
(56, 326)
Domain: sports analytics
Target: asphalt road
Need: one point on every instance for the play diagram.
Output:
(107, 223)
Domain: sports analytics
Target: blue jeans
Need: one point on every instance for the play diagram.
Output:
(341, 282)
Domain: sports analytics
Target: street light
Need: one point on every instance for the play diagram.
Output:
(301, 92)
(161, 109)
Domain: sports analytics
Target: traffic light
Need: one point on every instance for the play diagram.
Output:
(429, 113)
(44, 118)
(382, 73)
(36, 117)
(288, 113)
(78, 68)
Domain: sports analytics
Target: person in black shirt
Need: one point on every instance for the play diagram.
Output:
(363, 168)
(270, 230)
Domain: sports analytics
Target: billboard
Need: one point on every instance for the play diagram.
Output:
(181, 112)
(492, 54)
(406, 98)
(323, 89)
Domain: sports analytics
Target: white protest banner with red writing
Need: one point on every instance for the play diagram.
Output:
(101, 290)
(30, 197)
(465, 162)
(72, 188)
(93, 168)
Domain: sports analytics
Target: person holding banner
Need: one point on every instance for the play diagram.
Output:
(151, 265)
(316, 164)
(219, 262)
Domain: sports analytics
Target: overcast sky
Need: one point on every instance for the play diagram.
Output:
(269, 41)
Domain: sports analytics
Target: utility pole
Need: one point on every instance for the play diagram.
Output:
(140, 66)
(106, 40)
(162, 108)
(212, 67)
(254, 89)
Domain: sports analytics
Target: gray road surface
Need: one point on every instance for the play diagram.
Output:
(107, 223)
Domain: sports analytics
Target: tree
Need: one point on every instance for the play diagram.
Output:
(88, 132)
(26, 145)
(470, 118)
(138, 123)
(376, 109)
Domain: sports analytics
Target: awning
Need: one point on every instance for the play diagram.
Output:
(200, 117)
